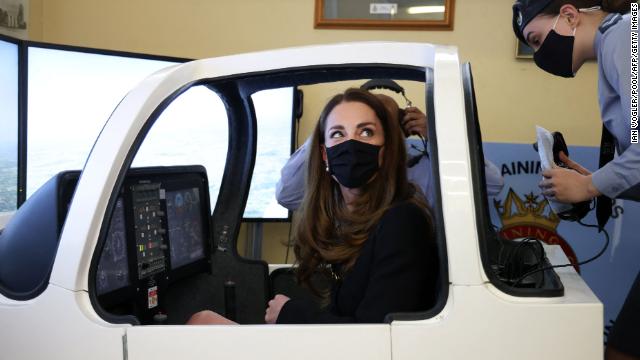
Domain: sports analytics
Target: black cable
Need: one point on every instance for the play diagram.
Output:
(510, 255)
(540, 258)
(424, 143)
(409, 103)
(423, 151)
(604, 248)
(286, 257)
(297, 142)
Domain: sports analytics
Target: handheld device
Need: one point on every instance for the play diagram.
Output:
(549, 146)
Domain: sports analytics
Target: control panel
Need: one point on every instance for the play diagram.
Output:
(149, 228)
(159, 233)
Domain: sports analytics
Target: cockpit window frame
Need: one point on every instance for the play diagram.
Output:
(487, 236)
(227, 215)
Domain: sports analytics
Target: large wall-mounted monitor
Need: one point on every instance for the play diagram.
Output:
(275, 117)
(72, 92)
(9, 60)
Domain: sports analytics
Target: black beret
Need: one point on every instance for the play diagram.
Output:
(524, 11)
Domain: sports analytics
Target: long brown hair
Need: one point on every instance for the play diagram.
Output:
(326, 231)
(611, 6)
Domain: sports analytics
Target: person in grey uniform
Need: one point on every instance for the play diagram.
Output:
(290, 187)
(564, 35)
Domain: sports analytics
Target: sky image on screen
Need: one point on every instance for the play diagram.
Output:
(72, 94)
(9, 126)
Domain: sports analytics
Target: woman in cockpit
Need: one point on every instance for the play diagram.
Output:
(361, 220)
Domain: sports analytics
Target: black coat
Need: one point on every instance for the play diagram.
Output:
(396, 271)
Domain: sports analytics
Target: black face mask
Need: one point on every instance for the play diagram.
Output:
(353, 162)
(555, 55)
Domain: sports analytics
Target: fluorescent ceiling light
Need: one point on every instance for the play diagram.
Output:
(425, 9)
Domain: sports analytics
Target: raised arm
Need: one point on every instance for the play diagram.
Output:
(290, 187)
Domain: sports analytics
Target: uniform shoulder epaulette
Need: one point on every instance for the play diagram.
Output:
(609, 23)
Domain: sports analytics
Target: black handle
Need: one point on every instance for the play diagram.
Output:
(230, 300)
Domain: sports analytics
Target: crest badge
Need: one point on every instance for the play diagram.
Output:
(531, 217)
(519, 18)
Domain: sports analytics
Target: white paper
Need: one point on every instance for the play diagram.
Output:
(545, 150)
(383, 9)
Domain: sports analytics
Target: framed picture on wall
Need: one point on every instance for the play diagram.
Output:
(523, 51)
(13, 18)
(384, 14)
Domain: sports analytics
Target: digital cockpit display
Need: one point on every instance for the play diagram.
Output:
(113, 268)
(184, 217)
(149, 228)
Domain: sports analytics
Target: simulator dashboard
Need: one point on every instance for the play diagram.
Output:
(158, 234)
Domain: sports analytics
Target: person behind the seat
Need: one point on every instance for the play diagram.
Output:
(361, 220)
(565, 34)
(290, 187)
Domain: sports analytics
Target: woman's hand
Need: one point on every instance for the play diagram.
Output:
(275, 305)
(567, 185)
(414, 122)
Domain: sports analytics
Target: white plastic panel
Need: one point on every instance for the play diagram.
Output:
(57, 324)
(264, 342)
(481, 322)
(463, 252)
